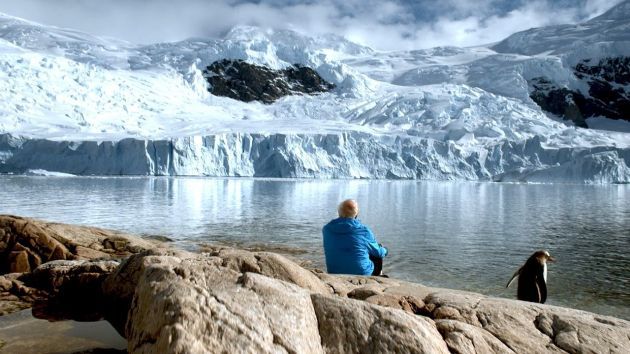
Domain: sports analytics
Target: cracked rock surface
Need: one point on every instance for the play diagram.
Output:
(232, 300)
(236, 301)
(38, 257)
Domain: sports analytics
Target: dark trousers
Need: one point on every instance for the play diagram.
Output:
(378, 265)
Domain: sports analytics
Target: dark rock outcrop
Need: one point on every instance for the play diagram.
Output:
(560, 101)
(610, 70)
(608, 94)
(249, 82)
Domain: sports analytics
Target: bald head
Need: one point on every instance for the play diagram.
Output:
(348, 209)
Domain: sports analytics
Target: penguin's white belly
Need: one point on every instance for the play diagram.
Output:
(545, 273)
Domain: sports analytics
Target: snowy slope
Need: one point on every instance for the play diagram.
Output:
(71, 102)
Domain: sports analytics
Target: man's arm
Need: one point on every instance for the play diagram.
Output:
(374, 248)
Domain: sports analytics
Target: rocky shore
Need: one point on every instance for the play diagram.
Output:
(164, 300)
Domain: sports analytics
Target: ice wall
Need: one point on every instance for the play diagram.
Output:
(338, 155)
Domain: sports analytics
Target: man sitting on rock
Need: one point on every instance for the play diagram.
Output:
(350, 246)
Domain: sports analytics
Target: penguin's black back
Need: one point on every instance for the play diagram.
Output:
(531, 282)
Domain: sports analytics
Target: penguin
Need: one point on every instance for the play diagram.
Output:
(532, 278)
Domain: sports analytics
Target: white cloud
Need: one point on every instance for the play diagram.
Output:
(594, 8)
(382, 24)
(475, 30)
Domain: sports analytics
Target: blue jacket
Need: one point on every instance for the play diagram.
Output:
(348, 245)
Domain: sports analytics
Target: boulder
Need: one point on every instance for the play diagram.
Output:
(72, 289)
(463, 338)
(376, 294)
(14, 296)
(230, 300)
(272, 265)
(26, 243)
(59, 276)
(18, 262)
(122, 282)
(30, 245)
(196, 306)
(524, 326)
(351, 326)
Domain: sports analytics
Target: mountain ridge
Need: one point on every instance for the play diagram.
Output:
(60, 85)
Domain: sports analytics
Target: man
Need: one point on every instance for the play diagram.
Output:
(349, 246)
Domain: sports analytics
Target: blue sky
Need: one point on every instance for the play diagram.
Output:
(381, 24)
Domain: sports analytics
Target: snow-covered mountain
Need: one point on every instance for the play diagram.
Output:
(74, 103)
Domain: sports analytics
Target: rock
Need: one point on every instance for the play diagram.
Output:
(528, 327)
(122, 282)
(406, 303)
(18, 262)
(173, 301)
(230, 300)
(375, 294)
(342, 285)
(249, 82)
(116, 243)
(14, 295)
(606, 96)
(73, 289)
(463, 338)
(279, 267)
(365, 292)
(89, 253)
(120, 286)
(27, 243)
(10, 305)
(350, 326)
(560, 101)
(272, 265)
(57, 276)
(237, 260)
(213, 308)
(5, 284)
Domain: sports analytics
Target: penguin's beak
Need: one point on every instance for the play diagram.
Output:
(551, 259)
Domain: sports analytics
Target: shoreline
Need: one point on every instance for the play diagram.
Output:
(53, 174)
(133, 283)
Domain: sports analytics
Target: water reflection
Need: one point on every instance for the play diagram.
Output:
(461, 235)
(24, 334)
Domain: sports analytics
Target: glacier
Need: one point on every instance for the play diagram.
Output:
(339, 155)
(74, 103)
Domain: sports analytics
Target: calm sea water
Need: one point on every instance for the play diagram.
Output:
(469, 236)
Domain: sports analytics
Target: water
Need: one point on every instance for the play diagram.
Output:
(469, 236)
(22, 333)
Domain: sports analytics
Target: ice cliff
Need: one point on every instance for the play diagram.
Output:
(334, 155)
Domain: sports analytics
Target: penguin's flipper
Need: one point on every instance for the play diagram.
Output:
(516, 274)
(542, 289)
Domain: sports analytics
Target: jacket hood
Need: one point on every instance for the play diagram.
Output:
(344, 225)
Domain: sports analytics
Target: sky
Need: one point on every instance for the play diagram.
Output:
(380, 24)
